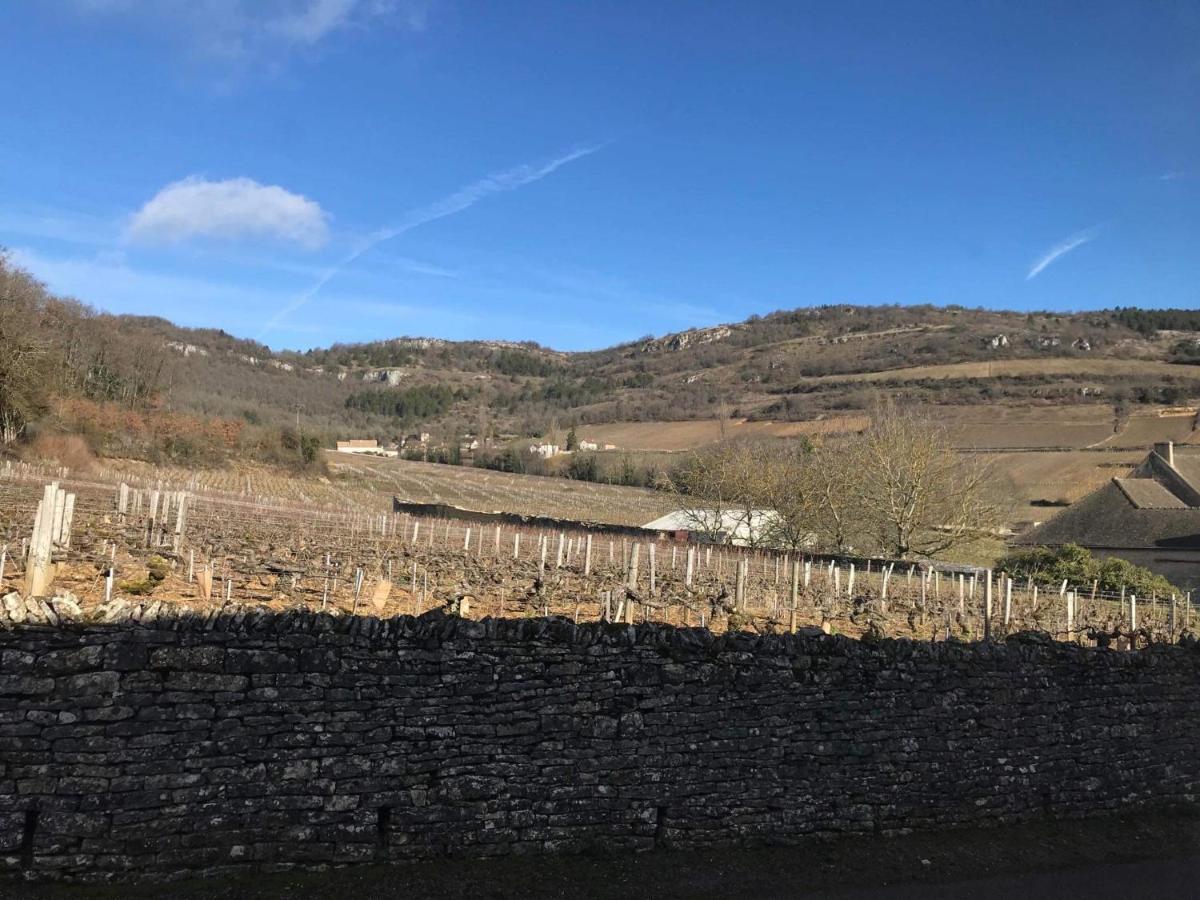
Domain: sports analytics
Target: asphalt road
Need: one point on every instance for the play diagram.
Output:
(1169, 878)
(1130, 856)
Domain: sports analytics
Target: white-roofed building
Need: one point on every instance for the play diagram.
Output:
(741, 527)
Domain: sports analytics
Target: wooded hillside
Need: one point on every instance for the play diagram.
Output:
(144, 386)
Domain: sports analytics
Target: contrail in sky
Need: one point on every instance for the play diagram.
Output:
(1062, 249)
(464, 198)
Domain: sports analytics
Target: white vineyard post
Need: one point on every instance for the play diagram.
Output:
(651, 547)
(795, 595)
(987, 607)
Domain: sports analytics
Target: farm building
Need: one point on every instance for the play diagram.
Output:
(1151, 518)
(741, 527)
(545, 451)
(363, 445)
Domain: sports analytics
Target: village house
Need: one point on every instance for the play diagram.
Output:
(1150, 517)
(545, 451)
(588, 445)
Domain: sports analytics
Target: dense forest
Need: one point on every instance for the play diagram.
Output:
(409, 405)
(1150, 321)
(142, 386)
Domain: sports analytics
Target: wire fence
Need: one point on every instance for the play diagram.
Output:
(159, 542)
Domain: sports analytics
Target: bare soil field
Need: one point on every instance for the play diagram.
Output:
(971, 427)
(677, 436)
(1017, 435)
(1144, 431)
(1025, 414)
(1016, 367)
(1136, 432)
(488, 491)
(1014, 427)
(1056, 476)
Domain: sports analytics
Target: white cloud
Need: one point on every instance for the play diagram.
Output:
(464, 198)
(257, 29)
(1062, 249)
(310, 24)
(230, 209)
(418, 267)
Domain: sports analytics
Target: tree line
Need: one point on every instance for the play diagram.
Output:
(899, 489)
(107, 381)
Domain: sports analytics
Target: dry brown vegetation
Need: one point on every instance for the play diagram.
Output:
(804, 366)
(1014, 367)
(487, 491)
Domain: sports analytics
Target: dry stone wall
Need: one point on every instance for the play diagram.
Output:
(241, 740)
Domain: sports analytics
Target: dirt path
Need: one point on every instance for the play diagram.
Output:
(1125, 856)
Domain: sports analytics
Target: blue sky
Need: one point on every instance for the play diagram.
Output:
(311, 171)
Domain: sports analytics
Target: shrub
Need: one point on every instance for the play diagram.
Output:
(584, 467)
(68, 450)
(157, 568)
(1076, 565)
(137, 587)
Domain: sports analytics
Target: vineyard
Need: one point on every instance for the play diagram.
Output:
(487, 491)
(140, 549)
(368, 484)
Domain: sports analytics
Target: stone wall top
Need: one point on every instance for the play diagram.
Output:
(433, 629)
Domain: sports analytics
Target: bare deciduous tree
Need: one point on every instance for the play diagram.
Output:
(900, 487)
(722, 488)
(25, 353)
(918, 495)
